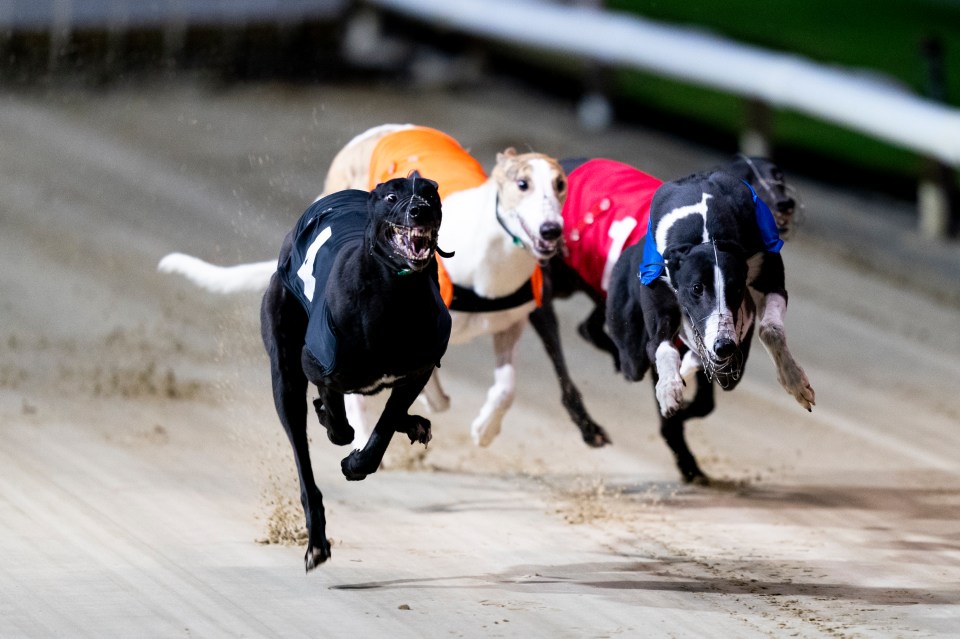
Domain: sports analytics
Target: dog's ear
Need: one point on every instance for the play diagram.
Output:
(732, 247)
(508, 152)
(415, 174)
(674, 255)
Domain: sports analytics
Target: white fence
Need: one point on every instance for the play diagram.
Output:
(846, 97)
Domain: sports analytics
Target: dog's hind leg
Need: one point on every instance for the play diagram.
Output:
(592, 330)
(486, 426)
(283, 326)
(544, 321)
(433, 394)
(773, 336)
(356, 407)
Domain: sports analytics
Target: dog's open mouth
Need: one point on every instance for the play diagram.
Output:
(542, 249)
(415, 244)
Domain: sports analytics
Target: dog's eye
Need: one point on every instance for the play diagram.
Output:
(391, 198)
(561, 185)
(522, 185)
(698, 289)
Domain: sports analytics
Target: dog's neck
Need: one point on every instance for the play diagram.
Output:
(500, 213)
(488, 260)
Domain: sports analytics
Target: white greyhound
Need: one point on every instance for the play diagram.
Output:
(499, 227)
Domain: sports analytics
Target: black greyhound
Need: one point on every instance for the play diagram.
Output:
(567, 275)
(355, 307)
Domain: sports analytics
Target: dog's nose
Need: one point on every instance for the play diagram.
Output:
(785, 206)
(724, 347)
(551, 231)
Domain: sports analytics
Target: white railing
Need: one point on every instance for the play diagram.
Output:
(849, 98)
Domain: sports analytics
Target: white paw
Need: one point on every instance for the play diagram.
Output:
(669, 395)
(795, 382)
(484, 431)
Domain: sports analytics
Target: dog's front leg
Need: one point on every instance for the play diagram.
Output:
(486, 426)
(365, 461)
(773, 336)
(395, 418)
(669, 380)
(661, 321)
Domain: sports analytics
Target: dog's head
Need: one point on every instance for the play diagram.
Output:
(531, 188)
(701, 228)
(710, 280)
(769, 182)
(405, 221)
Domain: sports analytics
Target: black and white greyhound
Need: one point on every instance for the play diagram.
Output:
(610, 203)
(685, 300)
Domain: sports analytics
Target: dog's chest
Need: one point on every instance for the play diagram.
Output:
(381, 339)
(365, 322)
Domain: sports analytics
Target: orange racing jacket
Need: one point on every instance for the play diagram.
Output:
(439, 157)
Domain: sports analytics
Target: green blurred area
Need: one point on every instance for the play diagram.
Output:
(881, 36)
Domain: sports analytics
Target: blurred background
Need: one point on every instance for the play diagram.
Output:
(146, 487)
(911, 47)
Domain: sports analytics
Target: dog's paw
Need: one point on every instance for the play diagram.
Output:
(352, 467)
(484, 431)
(317, 554)
(794, 381)
(670, 395)
(417, 429)
(594, 435)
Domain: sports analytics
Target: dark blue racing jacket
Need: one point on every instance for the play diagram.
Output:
(330, 225)
(324, 229)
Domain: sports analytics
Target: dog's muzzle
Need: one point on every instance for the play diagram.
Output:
(414, 244)
(544, 243)
(723, 363)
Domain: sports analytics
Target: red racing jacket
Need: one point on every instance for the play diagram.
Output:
(607, 209)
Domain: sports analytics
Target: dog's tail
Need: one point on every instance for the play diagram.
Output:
(220, 279)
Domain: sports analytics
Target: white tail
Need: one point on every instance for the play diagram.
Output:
(220, 279)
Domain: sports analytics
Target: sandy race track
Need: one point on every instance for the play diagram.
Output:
(147, 489)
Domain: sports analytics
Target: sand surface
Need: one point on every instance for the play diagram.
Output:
(147, 489)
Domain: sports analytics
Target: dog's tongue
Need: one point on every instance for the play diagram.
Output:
(420, 245)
